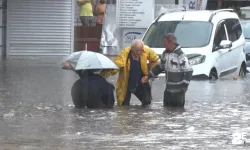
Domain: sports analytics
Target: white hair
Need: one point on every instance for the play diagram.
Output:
(137, 41)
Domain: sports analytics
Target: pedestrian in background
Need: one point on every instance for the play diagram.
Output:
(132, 64)
(99, 12)
(86, 12)
(178, 72)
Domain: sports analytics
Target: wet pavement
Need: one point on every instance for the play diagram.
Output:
(36, 112)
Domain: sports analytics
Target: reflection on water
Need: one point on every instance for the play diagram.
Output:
(36, 112)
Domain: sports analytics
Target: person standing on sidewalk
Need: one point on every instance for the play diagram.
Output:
(99, 12)
(86, 13)
(132, 64)
(178, 72)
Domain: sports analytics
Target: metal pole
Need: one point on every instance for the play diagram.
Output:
(72, 38)
(86, 46)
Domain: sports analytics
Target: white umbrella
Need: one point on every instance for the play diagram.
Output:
(87, 60)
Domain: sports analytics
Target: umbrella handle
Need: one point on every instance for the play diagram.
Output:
(86, 46)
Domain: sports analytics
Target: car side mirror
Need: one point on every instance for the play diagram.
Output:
(225, 44)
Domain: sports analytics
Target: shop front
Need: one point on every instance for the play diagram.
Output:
(39, 28)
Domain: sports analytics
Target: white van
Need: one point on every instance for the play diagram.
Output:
(212, 40)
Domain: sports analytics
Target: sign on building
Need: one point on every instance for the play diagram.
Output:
(134, 13)
(128, 35)
(197, 4)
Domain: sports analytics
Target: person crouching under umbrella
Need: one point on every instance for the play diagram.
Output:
(91, 90)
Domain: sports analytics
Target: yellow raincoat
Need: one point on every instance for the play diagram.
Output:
(123, 63)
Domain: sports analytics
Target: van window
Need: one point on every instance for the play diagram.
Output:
(246, 28)
(188, 33)
(234, 29)
(220, 35)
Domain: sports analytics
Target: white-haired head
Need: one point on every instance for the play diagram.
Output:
(137, 42)
(137, 47)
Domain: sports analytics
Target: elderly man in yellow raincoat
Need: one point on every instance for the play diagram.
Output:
(133, 66)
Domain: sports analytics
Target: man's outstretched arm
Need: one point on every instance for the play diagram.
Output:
(120, 61)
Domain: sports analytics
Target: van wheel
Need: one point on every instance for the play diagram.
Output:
(243, 72)
(213, 75)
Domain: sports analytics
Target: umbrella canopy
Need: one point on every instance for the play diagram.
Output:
(87, 60)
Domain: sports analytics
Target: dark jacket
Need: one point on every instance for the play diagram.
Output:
(93, 91)
(177, 69)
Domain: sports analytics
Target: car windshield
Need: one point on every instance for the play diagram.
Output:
(188, 33)
(246, 28)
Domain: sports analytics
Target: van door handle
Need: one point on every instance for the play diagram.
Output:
(229, 50)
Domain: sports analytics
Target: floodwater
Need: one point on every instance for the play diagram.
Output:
(36, 112)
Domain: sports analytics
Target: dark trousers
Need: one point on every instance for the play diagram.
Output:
(142, 92)
(174, 99)
(88, 20)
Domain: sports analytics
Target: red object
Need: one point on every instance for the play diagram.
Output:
(185, 90)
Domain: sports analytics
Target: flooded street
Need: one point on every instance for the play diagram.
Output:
(36, 112)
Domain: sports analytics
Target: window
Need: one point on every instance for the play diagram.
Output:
(188, 33)
(234, 29)
(220, 35)
(246, 28)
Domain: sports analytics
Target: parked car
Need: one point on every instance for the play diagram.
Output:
(212, 40)
(246, 31)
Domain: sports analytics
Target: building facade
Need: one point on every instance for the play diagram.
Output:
(45, 28)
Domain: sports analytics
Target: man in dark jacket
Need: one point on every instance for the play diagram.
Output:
(91, 90)
(178, 72)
